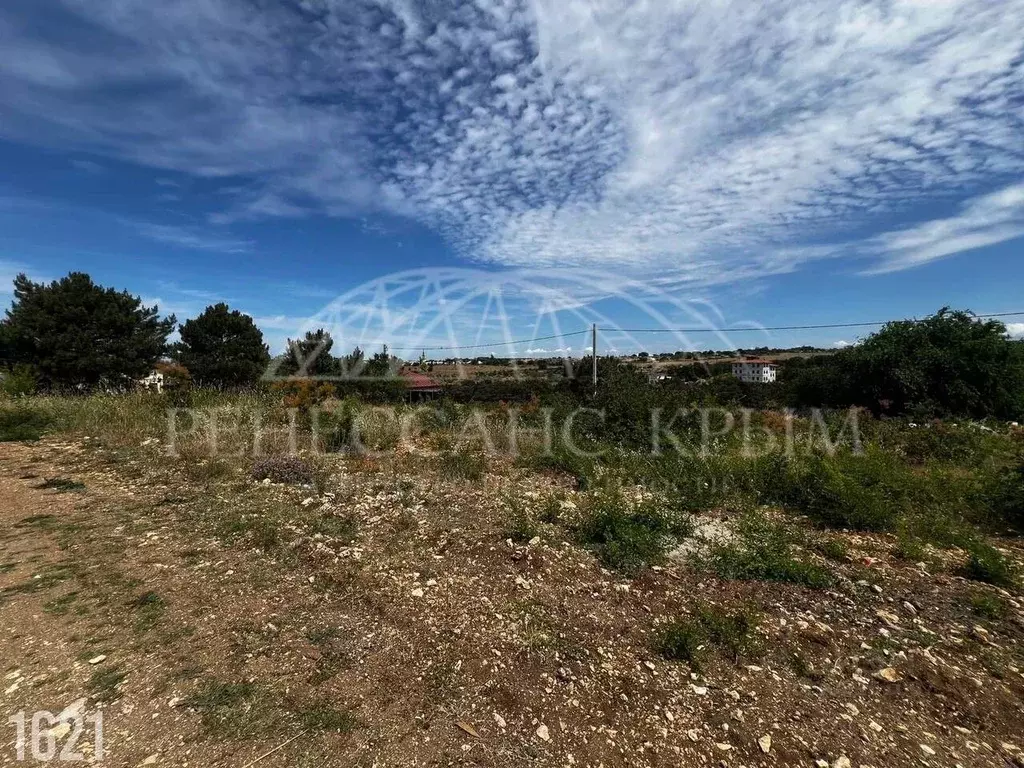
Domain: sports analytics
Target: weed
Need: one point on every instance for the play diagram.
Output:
(687, 640)
(149, 608)
(60, 605)
(61, 485)
(208, 470)
(764, 552)
(463, 463)
(987, 606)
(519, 526)
(324, 717)
(23, 423)
(626, 538)
(803, 668)
(551, 510)
(103, 685)
(289, 470)
(911, 549)
(225, 709)
(343, 527)
(833, 549)
(44, 522)
(987, 564)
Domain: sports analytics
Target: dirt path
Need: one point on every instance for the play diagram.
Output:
(207, 636)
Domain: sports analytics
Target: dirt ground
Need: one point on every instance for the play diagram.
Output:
(389, 623)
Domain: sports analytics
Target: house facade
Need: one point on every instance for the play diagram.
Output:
(755, 371)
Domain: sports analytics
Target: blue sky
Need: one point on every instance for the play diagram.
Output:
(770, 163)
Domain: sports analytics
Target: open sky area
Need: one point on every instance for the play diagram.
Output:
(781, 162)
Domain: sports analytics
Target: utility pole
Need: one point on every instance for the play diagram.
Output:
(593, 361)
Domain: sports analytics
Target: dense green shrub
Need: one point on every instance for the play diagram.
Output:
(987, 564)
(20, 381)
(732, 632)
(765, 550)
(1006, 497)
(627, 537)
(22, 422)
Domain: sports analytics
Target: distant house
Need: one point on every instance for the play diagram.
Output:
(154, 382)
(759, 371)
(419, 386)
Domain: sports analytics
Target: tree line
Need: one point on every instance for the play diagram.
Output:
(75, 335)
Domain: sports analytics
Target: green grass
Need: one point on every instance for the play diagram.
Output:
(991, 607)
(987, 564)
(61, 485)
(325, 717)
(149, 608)
(627, 537)
(23, 423)
(59, 606)
(765, 550)
(732, 633)
(519, 526)
(225, 709)
(462, 463)
(103, 685)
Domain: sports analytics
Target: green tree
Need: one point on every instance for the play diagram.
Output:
(78, 334)
(951, 363)
(222, 348)
(310, 357)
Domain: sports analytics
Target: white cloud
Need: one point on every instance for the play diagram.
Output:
(1015, 330)
(188, 237)
(987, 220)
(841, 344)
(715, 141)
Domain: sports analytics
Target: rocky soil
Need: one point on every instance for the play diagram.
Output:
(388, 621)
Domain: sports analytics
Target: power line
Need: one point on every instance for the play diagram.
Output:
(783, 327)
(502, 343)
(560, 336)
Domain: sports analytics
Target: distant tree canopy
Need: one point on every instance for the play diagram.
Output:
(77, 334)
(222, 348)
(310, 356)
(950, 364)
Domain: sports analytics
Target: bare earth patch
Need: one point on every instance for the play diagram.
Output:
(389, 622)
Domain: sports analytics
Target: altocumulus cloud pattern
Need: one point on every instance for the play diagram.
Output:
(704, 141)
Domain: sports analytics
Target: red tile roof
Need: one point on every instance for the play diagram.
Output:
(419, 381)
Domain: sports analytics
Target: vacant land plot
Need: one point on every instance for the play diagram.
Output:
(433, 606)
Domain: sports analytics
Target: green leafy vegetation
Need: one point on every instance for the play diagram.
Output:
(21, 422)
(627, 536)
(765, 550)
(60, 485)
(732, 633)
(222, 348)
(987, 564)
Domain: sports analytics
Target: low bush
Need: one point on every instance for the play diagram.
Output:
(626, 537)
(1006, 497)
(462, 462)
(22, 423)
(519, 526)
(20, 381)
(732, 632)
(987, 564)
(290, 470)
(765, 551)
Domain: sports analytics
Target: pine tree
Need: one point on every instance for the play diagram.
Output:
(77, 334)
(222, 348)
